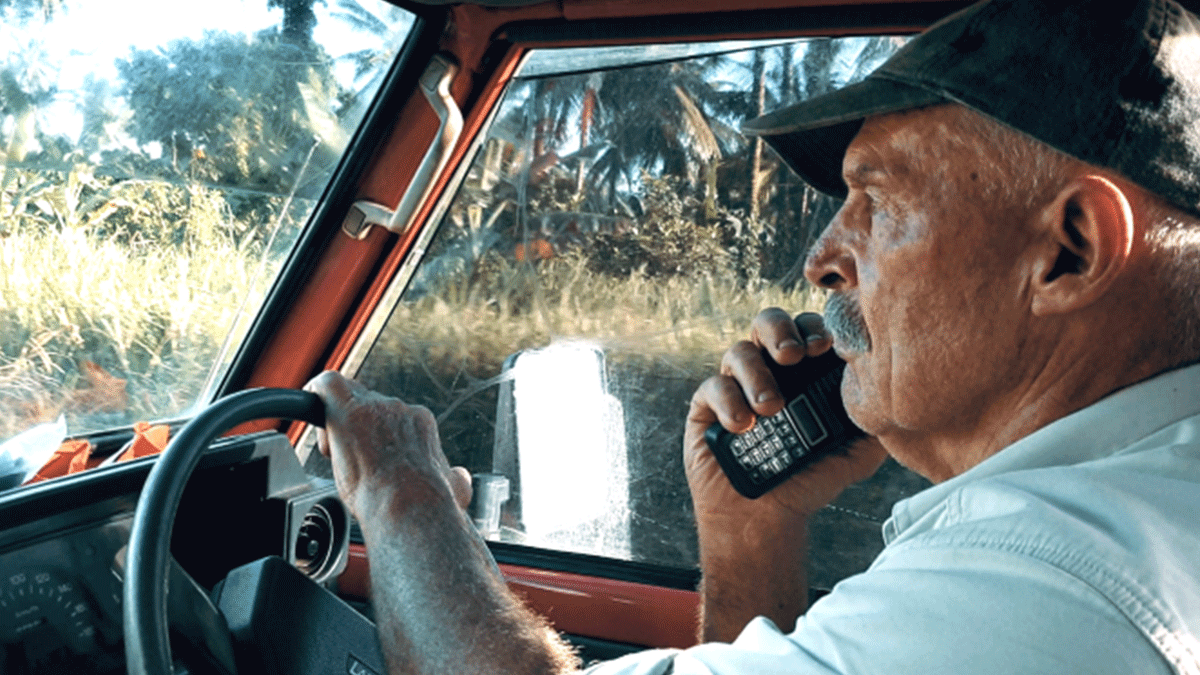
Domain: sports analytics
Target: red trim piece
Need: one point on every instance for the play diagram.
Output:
(898, 29)
(476, 23)
(299, 347)
(298, 344)
(594, 607)
(475, 30)
(608, 609)
(391, 264)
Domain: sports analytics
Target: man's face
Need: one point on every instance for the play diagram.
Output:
(927, 303)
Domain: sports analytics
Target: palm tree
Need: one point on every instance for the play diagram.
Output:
(299, 19)
(370, 63)
(658, 119)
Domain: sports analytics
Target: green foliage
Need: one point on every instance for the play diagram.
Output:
(263, 108)
(139, 217)
(135, 277)
(673, 238)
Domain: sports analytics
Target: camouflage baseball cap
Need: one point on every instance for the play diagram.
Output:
(1115, 84)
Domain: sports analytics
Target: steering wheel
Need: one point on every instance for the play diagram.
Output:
(148, 557)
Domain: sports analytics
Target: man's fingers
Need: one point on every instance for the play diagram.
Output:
(720, 399)
(774, 330)
(744, 362)
(330, 383)
(335, 391)
(322, 441)
(815, 336)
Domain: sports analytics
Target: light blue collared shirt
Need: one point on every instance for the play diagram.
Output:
(1074, 550)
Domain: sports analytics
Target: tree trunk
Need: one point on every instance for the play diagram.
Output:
(756, 173)
(585, 127)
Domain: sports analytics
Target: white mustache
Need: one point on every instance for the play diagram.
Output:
(844, 320)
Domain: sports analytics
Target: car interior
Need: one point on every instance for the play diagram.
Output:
(537, 219)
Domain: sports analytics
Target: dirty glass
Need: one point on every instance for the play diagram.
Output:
(613, 235)
(157, 162)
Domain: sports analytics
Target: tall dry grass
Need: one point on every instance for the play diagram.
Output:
(466, 325)
(445, 348)
(109, 328)
(107, 324)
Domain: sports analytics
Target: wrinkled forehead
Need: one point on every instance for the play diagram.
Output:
(950, 164)
(913, 143)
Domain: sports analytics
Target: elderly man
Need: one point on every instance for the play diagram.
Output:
(1014, 287)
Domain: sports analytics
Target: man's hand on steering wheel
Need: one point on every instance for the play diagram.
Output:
(438, 595)
(381, 447)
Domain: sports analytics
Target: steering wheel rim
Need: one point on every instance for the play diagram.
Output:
(144, 592)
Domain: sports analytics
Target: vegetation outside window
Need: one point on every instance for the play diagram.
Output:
(157, 162)
(613, 235)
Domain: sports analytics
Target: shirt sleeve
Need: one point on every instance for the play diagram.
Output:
(927, 612)
(972, 610)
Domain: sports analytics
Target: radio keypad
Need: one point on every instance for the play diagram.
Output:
(769, 448)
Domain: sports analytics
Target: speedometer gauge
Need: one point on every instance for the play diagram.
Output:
(49, 617)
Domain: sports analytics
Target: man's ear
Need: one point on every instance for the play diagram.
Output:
(1087, 235)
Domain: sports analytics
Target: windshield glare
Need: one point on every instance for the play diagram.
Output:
(158, 161)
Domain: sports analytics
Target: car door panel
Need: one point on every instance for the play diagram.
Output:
(614, 614)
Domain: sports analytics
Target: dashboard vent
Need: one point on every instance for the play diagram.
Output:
(319, 535)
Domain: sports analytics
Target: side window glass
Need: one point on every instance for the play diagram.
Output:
(614, 234)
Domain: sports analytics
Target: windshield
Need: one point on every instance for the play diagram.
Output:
(158, 161)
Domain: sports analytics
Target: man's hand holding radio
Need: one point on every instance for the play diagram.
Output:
(754, 552)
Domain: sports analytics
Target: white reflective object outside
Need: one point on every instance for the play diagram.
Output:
(571, 437)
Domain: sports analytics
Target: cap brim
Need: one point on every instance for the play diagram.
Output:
(812, 136)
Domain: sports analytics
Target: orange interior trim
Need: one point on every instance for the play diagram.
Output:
(594, 607)
(610, 9)
(75, 455)
(608, 609)
(472, 125)
(342, 293)
(70, 457)
(299, 345)
(475, 25)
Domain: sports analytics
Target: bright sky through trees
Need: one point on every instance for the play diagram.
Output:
(85, 39)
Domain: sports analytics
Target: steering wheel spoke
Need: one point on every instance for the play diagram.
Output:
(201, 629)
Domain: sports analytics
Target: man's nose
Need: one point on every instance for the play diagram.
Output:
(830, 263)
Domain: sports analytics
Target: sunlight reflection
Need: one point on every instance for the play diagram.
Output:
(574, 477)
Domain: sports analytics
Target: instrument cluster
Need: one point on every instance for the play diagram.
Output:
(60, 603)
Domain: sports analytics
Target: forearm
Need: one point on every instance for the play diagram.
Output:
(440, 605)
(753, 570)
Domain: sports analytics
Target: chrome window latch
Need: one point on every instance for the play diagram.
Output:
(435, 84)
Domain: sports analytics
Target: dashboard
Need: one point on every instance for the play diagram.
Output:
(62, 545)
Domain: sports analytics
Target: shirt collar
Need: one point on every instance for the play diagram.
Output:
(1099, 430)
